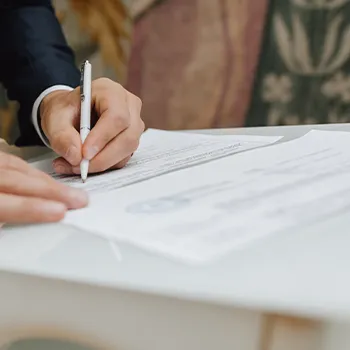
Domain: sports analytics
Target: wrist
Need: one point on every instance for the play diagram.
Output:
(45, 102)
(38, 109)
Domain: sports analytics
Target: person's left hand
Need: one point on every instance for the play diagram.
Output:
(111, 141)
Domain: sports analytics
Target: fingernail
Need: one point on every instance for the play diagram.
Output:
(60, 168)
(77, 198)
(91, 152)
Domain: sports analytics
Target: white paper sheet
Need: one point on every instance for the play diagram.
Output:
(161, 152)
(203, 212)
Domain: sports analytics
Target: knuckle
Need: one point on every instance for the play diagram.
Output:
(8, 161)
(137, 100)
(132, 142)
(6, 180)
(121, 120)
(142, 125)
(103, 82)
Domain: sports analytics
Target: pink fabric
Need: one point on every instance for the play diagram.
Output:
(193, 62)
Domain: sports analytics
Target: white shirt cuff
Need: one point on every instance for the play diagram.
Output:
(35, 114)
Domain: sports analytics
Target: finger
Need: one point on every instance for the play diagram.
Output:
(117, 150)
(16, 183)
(66, 142)
(122, 163)
(135, 106)
(61, 166)
(119, 165)
(10, 162)
(64, 168)
(25, 210)
(112, 107)
(60, 128)
(124, 144)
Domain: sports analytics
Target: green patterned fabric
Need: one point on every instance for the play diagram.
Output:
(303, 73)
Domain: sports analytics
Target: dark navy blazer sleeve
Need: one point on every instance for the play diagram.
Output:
(34, 56)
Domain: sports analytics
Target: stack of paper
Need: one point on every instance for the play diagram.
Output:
(205, 211)
(160, 152)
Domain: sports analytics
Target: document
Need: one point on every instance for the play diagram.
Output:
(204, 212)
(162, 152)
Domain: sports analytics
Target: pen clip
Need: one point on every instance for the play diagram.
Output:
(82, 73)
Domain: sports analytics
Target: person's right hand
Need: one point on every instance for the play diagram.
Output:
(28, 195)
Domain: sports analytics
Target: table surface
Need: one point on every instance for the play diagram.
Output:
(305, 273)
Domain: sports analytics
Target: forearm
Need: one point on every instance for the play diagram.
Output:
(34, 57)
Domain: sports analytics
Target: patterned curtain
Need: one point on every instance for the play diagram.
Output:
(303, 75)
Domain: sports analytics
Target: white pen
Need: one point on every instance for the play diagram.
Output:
(85, 112)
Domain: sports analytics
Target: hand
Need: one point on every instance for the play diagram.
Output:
(113, 138)
(28, 195)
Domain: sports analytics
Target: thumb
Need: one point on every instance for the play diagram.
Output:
(65, 141)
(59, 116)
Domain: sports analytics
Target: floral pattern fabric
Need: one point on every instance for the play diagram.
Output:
(303, 74)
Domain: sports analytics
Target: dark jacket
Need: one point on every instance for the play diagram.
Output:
(33, 56)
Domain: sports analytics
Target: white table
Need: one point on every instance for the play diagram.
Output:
(280, 293)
